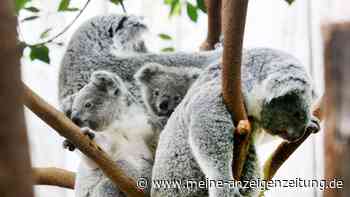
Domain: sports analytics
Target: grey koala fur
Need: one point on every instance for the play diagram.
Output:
(197, 141)
(115, 43)
(163, 88)
(120, 126)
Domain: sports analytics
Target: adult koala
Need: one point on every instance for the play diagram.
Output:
(114, 43)
(197, 141)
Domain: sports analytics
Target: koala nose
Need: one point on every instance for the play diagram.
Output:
(76, 119)
(164, 105)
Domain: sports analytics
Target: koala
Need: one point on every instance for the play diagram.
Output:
(115, 43)
(197, 142)
(163, 88)
(109, 115)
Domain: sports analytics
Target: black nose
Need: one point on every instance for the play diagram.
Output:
(77, 120)
(164, 105)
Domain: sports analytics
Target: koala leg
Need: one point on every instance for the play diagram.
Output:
(211, 141)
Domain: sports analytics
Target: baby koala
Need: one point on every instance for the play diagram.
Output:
(119, 125)
(164, 87)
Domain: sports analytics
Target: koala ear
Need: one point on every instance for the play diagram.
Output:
(106, 82)
(148, 71)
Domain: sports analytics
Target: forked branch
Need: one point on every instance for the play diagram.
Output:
(66, 128)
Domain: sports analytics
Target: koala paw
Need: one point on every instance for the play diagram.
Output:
(68, 145)
(88, 132)
(314, 125)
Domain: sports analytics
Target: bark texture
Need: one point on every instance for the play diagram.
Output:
(15, 171)
(214, 24)
(54, 177)
(233, 24)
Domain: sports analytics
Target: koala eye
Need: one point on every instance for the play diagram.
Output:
(177, 98)
(88, 105)
(156, 93)
(116, 92)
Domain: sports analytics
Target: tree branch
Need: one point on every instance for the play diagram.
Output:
(66, 128)
(234, 17)
(214, 24)
(15, 171)
(54, 176)
(286, 149)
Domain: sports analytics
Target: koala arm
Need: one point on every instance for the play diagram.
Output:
(66, 105)
(211, 141)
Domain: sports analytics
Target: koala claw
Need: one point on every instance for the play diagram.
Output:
(88, 132)
(68, 145)
(314, 125)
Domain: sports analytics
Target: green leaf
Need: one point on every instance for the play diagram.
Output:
(168, 2)
(290, 1)
(45, 34)
(116, 2)
(20, 4)
(164, 36)
(175, 8)
(29, 18)
(201, 6)
(168, 49)
(192, 12)
(64, 6)
(40, 52)
(32, 9)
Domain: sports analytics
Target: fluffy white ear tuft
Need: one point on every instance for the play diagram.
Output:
(107, 82)
(146, 72)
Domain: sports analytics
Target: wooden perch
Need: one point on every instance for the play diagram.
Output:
(66, 128)
(214, 24)
(15, 171)
(54, 177)
(286, 149)
(234, 17)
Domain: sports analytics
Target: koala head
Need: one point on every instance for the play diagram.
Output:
(100, 102)
(126, 32)
(164, 87)
(287, 116)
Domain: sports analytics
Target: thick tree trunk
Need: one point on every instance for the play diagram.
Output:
(337, 137)
(15, 171)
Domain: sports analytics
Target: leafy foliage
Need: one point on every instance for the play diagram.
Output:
(20, 4)
(192, 12)
(168, 49)
(64, 6)
(39, 52)
(290, 1)
(164, 36)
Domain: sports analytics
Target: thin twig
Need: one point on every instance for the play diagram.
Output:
(65, 29)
